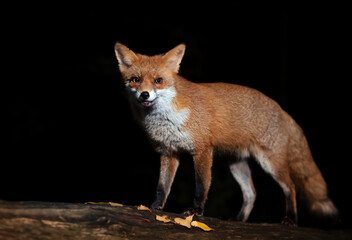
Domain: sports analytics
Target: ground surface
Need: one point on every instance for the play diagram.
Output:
(44, 220)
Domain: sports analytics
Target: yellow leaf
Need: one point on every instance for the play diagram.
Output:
(143, 208)
(115, 204)
(184, 222)
(201, 225)
(97, 202)
(163, 218)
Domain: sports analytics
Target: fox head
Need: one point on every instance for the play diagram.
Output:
(148, 78)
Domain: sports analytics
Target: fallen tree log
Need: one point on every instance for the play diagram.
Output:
(48, 220)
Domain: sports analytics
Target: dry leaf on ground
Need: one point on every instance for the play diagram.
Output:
(115, 204)
(143, 208)
(163, 218)
(202, 226)
(184, 222)
(97, 203)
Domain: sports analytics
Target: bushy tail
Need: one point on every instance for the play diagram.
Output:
(309, 181)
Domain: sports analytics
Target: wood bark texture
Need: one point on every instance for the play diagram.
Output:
(49, 220)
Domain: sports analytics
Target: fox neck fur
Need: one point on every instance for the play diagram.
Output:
(163, 123)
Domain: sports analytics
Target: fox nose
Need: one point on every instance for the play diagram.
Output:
(145, 95)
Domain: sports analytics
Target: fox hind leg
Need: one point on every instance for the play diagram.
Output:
(290, 194)
(242, 173)
(281, 175)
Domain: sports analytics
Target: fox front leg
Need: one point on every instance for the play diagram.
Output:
(168, 167)
(202, 165)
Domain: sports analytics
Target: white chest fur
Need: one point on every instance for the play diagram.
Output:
(164, 124)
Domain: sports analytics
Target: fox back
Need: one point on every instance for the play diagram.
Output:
(182, 116)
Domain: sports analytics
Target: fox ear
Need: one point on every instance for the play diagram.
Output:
(125, 56)
(173, 57)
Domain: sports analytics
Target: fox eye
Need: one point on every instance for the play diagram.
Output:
(135, 79)
(158, 80)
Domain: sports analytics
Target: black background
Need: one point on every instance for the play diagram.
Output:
(71, 137)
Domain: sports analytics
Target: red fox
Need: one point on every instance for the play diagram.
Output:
(200, 118)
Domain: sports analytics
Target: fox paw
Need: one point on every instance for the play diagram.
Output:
(289, 222)
(156, 206)
(193, 211)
